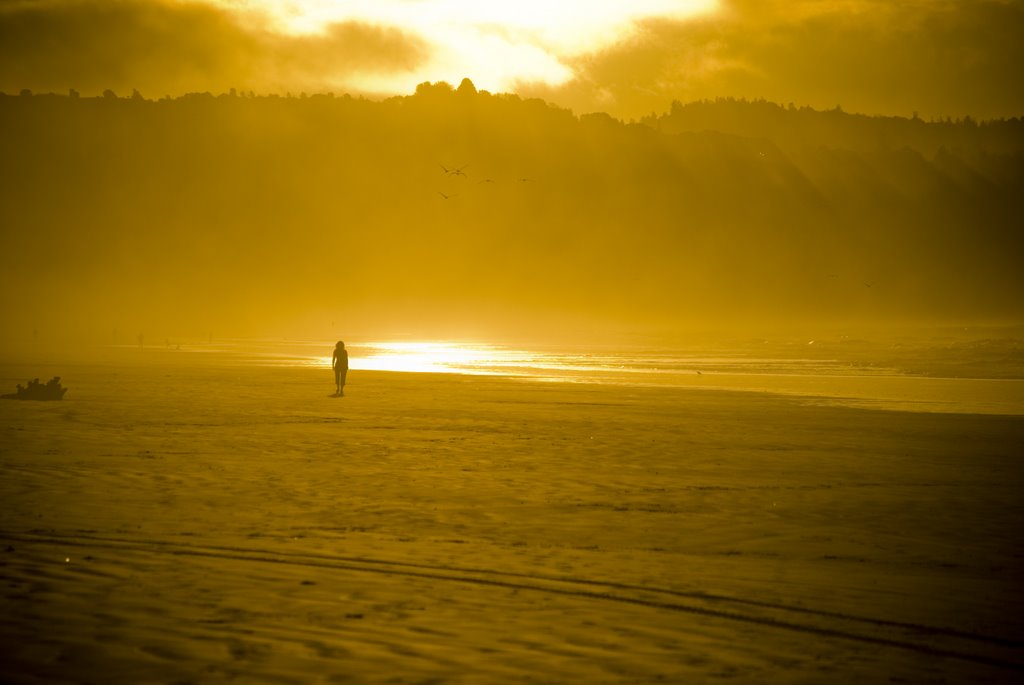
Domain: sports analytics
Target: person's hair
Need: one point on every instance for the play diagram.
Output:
(340, 344)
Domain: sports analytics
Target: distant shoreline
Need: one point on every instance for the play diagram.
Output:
(810, 384)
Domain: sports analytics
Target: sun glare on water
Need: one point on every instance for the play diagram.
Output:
(422, 357)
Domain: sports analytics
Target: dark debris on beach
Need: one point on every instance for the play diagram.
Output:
(34, 390)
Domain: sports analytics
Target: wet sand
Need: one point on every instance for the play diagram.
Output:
(193, 522)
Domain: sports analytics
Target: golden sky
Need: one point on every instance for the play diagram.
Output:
(499, 44)
(631, 57)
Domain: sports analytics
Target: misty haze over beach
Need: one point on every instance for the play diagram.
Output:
(663, 341)
(279, 216)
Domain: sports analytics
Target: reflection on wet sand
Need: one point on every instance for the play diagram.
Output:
(820, 379)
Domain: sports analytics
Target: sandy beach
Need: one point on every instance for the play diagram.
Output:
(190, 522)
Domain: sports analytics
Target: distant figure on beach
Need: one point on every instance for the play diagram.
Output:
(339, 361)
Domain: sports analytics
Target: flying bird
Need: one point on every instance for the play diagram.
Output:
(447, 197)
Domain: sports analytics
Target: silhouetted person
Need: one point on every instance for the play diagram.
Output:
(339, 361)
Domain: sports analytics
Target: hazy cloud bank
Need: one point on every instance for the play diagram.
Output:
(873, 56)
(176, 47)
(931, 56)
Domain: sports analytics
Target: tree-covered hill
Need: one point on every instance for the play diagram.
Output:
(258, 214)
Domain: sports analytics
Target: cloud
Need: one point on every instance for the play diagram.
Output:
(938, 58)
(175, 47)
(935, 57)
(494, 43)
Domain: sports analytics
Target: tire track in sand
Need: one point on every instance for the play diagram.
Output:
(582, 588)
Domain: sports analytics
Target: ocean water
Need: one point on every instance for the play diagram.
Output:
(933, 377)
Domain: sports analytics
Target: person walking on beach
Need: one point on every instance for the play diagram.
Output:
(339, 362)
